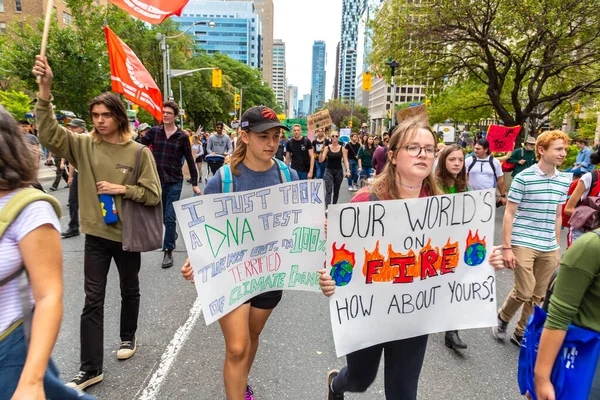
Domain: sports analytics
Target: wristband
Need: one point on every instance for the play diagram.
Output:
(502, 195)
(507, 248)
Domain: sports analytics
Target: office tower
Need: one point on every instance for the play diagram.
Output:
(347, 56)
(318, 75)
(236, 32)
(279, 82)
(292, 101)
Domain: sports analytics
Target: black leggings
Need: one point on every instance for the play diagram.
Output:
(403, 362)
(333, 181)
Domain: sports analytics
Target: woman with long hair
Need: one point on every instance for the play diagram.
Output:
(252, 167)
(451, 176)
(334, 153)
(198, 154)
(406, 175)
(365, 157)
(31, 268)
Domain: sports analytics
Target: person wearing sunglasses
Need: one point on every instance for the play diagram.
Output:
(334, 154)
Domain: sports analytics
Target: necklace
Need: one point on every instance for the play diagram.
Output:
(408, 186)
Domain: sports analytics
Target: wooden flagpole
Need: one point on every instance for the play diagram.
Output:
(49, 9)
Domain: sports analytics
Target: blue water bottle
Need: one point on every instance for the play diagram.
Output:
(108, 208)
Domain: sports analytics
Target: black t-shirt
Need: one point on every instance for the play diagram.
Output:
(300, 156)
(334, 160)
(318, 146)
(352, 150)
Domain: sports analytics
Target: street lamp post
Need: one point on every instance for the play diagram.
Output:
(166, 57)
(177, 73)
(393, 65)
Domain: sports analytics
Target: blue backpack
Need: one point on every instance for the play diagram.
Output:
(576, 363)
(227, 176)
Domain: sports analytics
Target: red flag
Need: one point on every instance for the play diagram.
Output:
(152, 11)
(502, 138)
(130, 77)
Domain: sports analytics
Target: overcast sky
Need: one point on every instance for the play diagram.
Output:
(299, 24)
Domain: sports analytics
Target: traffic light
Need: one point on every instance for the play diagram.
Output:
(236, 100)
(427, 102)
(389, 113)
(350, 123)
(217, 78)
(577, 109)
(367, 81)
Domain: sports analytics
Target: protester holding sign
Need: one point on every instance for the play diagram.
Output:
(452, 178)
(105, 160)
(253, 167)
(407, 175)
(574, 300)
(334, 154)
(531, 231)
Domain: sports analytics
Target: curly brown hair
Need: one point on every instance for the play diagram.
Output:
(18, 167)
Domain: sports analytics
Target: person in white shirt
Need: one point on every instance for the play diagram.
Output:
(484, 171)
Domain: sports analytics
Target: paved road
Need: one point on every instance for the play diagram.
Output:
(296, 347)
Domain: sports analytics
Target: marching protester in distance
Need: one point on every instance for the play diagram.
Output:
(407, 175)
(198, 154)
(280, 154)
(31, 269)
(170, 145)
(531, 231)
(299, 154)
(105, 160)
(575, 300)
(352, 148)
(523, 157)
(34, 147)
(252, 167)
(334, 153)
(582, 161)
(377, 141)
(318, 144)
(588, 185)
(365, 157)
(61, 172)
(451, 177)
(380, 155)
(218, 145)
(364, 131)
(142, 130)
(484, 171)
(78, 126)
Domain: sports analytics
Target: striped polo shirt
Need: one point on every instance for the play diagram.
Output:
(538, 197)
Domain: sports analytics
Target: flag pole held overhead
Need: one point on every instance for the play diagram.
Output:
(49, 8)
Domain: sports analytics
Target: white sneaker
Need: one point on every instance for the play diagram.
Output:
(127, 349)
(355, 187)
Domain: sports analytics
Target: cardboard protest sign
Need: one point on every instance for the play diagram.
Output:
(502, 138)
(405, 268)
(410, 112)
(321, 119)
(243, 244)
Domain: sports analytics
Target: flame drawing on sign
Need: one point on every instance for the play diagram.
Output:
(342, 265)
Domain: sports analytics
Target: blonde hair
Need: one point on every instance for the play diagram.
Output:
(548, 137)
(196, 139)
(238, 155)
(385, 186)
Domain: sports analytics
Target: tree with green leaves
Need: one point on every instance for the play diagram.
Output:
(465, 101)
(340, 113)
(532, 56)
(16, 103)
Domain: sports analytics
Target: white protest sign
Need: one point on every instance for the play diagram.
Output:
(242, 244)
(406, 268)
(345, 135)
(448, 133)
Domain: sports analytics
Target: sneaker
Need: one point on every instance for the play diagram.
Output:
(249, 393)
(127, 349)
(500, 331)
(53, 189)
(351, 188)
(355, 187)
(516, 339)
(330, 394)
(70, 233)
(84, 379)
(168, 259)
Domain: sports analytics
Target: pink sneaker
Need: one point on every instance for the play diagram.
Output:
(249, 393)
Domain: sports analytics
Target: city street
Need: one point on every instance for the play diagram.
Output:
(179, 357)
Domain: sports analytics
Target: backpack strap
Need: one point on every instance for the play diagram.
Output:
(226, 179)
(595, 185)
(9, 213)
(284, 171)
(474, 158)
(491, 160)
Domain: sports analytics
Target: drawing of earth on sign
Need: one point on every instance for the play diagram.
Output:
(342, 265)
(475, 250)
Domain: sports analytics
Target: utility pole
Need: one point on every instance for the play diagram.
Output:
(241, 100)
(393, 65)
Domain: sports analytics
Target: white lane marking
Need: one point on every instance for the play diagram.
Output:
(171, 352)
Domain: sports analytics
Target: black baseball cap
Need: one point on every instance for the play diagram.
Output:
(261, 119)
(219, 123)
(24, 122)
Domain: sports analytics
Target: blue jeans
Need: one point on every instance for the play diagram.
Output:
(320, 169)
(171, 192)
(302, 175)
(576, 171)
(12, 360)
(353, 178)
(365, 173)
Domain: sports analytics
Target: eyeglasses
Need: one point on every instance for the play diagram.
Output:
(334, 136)
(386, 140)
(414, 150)
(168, 113)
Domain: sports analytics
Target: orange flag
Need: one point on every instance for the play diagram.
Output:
(130, 77)
(153, 11)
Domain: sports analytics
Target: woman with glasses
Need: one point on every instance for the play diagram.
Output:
(334, 153)
(365, 157)
(406, 175)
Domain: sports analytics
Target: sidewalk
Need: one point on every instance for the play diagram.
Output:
(46, 173)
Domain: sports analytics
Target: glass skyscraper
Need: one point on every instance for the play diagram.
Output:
(317, 90)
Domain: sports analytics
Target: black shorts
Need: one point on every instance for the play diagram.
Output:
(199, 159)
(266, 301)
